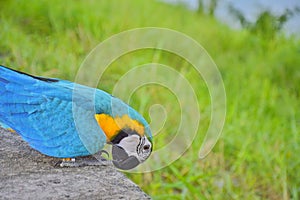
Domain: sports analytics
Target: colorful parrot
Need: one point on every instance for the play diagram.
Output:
(59, 122)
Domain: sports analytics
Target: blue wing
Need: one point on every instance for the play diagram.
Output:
(43, 110)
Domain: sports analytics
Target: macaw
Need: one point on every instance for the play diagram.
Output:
(59, 119)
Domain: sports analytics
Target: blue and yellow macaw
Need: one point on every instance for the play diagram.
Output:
(55, 122)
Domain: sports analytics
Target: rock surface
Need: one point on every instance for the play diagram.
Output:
(27, 174)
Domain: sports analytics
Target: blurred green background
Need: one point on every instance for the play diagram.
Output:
(257, 156)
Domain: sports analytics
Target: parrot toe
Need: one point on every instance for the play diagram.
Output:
(82, 162)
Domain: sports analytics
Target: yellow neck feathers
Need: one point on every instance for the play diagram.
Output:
(111, 126)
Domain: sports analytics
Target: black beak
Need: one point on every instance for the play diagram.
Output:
(121, 159)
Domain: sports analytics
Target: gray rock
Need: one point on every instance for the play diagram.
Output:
(27, 174)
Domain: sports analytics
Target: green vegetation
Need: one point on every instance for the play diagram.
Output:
(267, 25)
(257, 156)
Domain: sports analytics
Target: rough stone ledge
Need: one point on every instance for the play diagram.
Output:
(27, 174)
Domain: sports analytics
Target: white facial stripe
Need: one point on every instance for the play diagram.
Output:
(140, 146)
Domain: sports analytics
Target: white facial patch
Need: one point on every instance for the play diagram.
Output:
(129, 144)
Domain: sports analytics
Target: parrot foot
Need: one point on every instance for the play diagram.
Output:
(85, 161)
(67, 162)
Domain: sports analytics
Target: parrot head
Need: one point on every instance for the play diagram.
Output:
(130, 137)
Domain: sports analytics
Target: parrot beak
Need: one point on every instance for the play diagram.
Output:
(121, 159)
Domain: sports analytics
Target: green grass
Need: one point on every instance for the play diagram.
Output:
(257, 156)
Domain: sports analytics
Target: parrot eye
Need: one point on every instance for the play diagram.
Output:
(146, 147)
